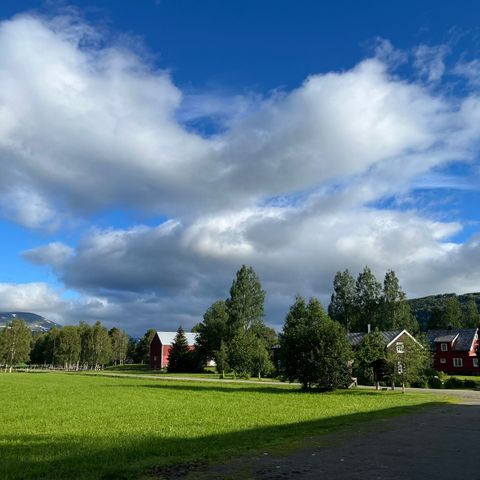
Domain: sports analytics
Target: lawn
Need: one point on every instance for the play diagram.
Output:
(146, 370)
(56, 425)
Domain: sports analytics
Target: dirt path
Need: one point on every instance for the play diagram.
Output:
(435, 443)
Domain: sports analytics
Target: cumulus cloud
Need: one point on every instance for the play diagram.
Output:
(180, 270)
(54, 254)
(87, 126)
(288, 182)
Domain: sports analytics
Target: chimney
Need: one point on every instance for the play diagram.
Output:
(369, 328)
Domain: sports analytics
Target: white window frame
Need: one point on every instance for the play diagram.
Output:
(458, 362)
(399, 368)
(475, 361)
(400, 347)
(443, 360)
(444, 347)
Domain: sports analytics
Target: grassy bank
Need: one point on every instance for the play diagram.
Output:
(75, 426)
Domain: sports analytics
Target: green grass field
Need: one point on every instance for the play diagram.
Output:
(146, 370)
(68, 426)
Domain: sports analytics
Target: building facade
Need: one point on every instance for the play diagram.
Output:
(455, 350)
(160, 347)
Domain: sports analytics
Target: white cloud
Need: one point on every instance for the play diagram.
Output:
(54, 254)
(177, 272)
(87, 126)
(288, 185)
(430, 61)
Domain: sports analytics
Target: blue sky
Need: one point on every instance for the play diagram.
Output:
(148, 149)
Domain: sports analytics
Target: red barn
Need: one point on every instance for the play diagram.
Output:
(455, 350)
(160, 347)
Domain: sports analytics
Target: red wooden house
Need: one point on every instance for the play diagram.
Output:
(160, 347)
(455, 350)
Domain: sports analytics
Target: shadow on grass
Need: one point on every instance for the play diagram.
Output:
(127, 456)
(232, 388)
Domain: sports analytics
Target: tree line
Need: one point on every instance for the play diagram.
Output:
(71, 347)
(357, 303)
(312, 347)
(365, 301)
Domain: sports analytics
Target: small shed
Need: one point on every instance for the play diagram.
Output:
(160, 347)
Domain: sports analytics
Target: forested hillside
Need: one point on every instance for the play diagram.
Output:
(423, 307)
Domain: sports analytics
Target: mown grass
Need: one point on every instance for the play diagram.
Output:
(146, 370)
(67, 426)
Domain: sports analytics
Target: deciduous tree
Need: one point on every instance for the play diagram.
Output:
(367, 299)
(245, 306)
(212, 331)
(342, 303)
(314, 348)
(394, 313)
(15, 343)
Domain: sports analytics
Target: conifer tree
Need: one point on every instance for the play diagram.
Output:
(179, 356)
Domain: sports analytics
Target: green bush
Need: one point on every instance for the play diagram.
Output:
(453, 382)
(435, 382)
(469, 383)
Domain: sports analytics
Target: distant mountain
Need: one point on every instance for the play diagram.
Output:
(36, 322)
(422, 307)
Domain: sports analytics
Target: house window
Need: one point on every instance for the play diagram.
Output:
(443, 360)
(457, 362)
(444, 347)
(475, 362)
(400, 347)
(399, 367)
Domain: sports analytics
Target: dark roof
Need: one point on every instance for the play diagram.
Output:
(355, 338)
(446, 338)
(463, 343)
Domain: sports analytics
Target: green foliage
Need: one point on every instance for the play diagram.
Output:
(221, 359)
(119, 341)
(143, 347)
(314, 348)
(180, 357)
(426, 307)
(453, 383)
(394, 313)
(245, 304)
(212, 331)
(471, 315)
(15, 343)
(371, 348)
(342, 306)
(412, 365)
(449, 314)
(368, 298)
(37, 355)
(68, 347)
(91, 427)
